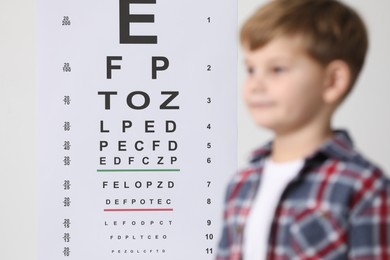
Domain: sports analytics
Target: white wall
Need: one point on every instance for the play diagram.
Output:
(365, 114)
(17, 186)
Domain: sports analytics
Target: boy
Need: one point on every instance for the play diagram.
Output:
(308, 194)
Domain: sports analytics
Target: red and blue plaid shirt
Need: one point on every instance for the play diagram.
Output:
(337, 207)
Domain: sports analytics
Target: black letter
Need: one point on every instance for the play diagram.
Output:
(102, 128)
(172, 129)
(126, 124)
(130, 100)
(155, 68)
(125, 18)
(110, 67)
(107, 94)
(103, 144)
(172, 96)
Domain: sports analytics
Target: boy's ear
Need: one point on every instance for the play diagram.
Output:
(337, 81)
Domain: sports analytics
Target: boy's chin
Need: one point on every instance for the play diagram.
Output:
(273, 127)
(267, 125)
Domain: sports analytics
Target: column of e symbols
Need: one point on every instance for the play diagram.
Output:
(67, 147)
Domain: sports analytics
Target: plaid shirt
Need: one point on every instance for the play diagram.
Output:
(337, 207)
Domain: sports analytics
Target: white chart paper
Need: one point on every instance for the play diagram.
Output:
(137, 127)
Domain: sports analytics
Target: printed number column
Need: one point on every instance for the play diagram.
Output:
(208, 235)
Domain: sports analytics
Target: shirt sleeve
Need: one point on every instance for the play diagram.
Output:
(369, 230)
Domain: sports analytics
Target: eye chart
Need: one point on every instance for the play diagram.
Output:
(137, 127)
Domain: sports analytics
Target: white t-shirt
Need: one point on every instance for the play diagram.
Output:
(274, 180)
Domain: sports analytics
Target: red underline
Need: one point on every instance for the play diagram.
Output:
(128, 210)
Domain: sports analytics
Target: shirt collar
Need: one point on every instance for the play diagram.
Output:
(339, 146)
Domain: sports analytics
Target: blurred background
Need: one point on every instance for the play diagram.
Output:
(365, 113)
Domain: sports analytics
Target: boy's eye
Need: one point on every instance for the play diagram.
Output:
(278, 69)
(250, 70)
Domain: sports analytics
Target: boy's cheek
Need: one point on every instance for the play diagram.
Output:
(247, 88)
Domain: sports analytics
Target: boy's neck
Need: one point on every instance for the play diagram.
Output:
(299, 143)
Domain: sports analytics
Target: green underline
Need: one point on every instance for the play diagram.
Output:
(139, 170)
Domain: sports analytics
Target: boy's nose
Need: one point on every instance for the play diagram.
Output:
(258, 84)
